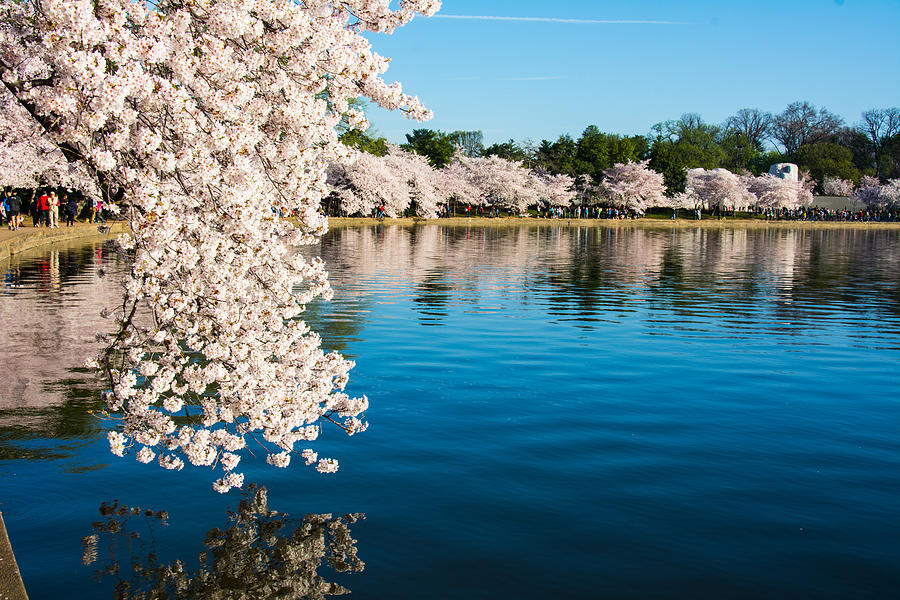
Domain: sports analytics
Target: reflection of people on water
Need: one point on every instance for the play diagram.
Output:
(260, 554)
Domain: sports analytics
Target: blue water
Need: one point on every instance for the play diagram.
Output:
(555, 412)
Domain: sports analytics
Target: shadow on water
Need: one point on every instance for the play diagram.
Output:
(261, 553)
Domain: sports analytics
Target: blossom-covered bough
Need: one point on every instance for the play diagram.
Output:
(206, 121)
(28, 157)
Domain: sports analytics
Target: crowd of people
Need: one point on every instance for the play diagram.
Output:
(44, 209)
(825, 214)
(813, 213)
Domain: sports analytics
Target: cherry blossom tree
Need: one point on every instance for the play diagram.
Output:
(772, 192)
(492, 181)
(368, 183)
(873, 195)
(635, 186)
(718, 188)
(556, 190)
(426, 187)
(208, 120)
(396, 182)
(505, 184)
(835, 186)
(458, 182)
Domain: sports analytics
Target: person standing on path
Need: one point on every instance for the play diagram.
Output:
(13, 205)
(35, 211)
(96, 210)
(54, 211)
(42, 210)
(71, 207)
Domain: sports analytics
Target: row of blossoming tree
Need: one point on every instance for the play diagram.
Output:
(402, 182)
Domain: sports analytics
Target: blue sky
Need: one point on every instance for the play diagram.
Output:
(553, 67)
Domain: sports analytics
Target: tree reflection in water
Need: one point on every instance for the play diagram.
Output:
(260, 554)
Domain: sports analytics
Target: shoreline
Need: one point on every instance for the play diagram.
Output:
(644, 223)
(11, 586)
(26, 238)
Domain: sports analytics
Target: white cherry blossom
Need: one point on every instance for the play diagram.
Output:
(635, 186)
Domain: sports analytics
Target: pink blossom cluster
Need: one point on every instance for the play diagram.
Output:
(873, 194)
(773, 192)
(723, 189)
(635, 186)
(835, 186)
(505, 184)
(30, 159)
(209, 120)
(718, 188)
(396, 182)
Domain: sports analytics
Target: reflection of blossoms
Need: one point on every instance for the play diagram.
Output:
(209, 121)
(260, 554)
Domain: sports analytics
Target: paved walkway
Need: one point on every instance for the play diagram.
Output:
(11, 586)
(27, 237)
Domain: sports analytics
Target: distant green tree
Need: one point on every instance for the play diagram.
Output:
(698, 143)
(363, 141)
(641, 146)
(509, 150)
(558, 157)
(666, 159)
(591, 153)
(755, 126)
(740, 151)
(827, 159)
(471, 142)
(436, 145)
(890, 157)
(690, 142)
(801, 124)
(684, 144)
(858, 144)
(880, 125)
(596, 151)
(761, 162)
(623, 150)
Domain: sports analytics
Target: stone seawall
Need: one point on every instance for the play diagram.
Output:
(26, 238)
